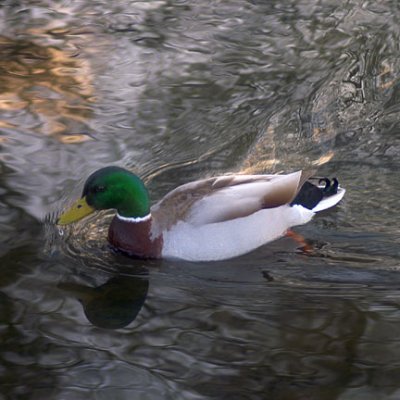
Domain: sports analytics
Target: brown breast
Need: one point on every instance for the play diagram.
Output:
(135, 238)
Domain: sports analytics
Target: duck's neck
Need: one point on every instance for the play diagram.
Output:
(133, 235)
(130, 198)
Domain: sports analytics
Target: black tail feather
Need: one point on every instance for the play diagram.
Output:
(310, 195)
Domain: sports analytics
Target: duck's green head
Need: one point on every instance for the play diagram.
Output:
(110, 188)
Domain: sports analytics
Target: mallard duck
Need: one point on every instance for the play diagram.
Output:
(210, 219)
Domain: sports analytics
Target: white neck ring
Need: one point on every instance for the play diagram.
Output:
(134, 220)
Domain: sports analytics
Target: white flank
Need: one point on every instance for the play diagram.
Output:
(133, 219)
(222, 240)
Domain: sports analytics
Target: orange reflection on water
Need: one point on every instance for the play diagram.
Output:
(54, 86)
(386, 78)
(263, 157)
(71, 139)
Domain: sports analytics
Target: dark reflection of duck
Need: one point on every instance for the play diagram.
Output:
(113, 305)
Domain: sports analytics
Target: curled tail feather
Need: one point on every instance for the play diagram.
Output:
(316, 197)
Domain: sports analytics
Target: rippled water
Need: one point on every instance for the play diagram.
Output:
(178, 91)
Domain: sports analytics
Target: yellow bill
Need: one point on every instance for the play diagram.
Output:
(77, 211)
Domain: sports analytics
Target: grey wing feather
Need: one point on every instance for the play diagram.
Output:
(224, 198)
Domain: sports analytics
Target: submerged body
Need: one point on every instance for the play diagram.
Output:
(211, 219)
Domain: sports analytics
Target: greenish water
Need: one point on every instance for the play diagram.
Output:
(178, 91)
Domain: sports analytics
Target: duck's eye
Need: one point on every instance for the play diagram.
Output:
(98, 189)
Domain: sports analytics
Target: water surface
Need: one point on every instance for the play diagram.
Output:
(177, 91)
